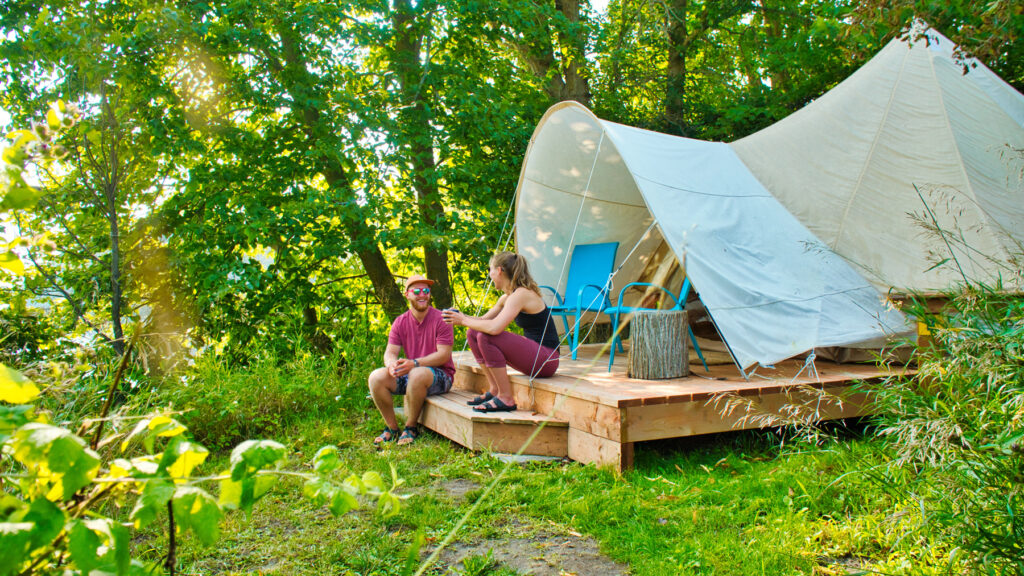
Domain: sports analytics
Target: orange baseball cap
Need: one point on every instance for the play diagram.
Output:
(417, 279)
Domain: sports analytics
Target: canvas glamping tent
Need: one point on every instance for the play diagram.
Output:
(906, 143)
(772, 289)
(847, 165)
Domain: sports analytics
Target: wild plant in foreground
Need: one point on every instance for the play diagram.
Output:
(958, 427)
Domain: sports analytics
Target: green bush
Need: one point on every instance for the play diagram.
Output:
(957, 429)
(226, 404)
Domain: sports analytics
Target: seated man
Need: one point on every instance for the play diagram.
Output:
(427, 368)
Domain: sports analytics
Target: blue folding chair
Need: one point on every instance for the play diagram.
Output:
(587, 287)
(617, 311)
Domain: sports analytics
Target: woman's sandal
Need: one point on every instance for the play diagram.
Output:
(480, 399)
(388, 435)
(495, 405)
(409, 435)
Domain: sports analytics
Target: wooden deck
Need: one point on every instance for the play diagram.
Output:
(599, 415)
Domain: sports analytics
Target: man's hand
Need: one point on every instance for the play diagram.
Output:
(401, 367)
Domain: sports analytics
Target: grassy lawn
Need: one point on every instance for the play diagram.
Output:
(736, 503)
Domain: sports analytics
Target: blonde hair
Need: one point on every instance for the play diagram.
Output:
(515, 268)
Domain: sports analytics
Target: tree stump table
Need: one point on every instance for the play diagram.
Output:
(658, 348)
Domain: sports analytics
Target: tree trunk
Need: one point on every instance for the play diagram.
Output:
(420, 143)
(675, 88)
(109, 192)
(115, 275)
(320, 341)
(576, 86)
(567, 81)
(302, 87)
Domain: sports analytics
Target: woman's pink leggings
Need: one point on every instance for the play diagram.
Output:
(508, 349)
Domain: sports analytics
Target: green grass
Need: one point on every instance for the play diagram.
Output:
(725, 504)
(756, 502)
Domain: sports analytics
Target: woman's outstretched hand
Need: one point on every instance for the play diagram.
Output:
(453, 316)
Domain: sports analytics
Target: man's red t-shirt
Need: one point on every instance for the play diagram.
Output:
(419, 339)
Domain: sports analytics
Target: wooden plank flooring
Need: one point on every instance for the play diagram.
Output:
(599, 414)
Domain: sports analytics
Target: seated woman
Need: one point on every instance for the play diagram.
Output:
(495, 348)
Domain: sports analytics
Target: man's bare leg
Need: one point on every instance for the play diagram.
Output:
(420, 380)
(382, 390)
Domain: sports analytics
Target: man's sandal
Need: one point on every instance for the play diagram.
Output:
(480, 399)
(388, 435)
(409, 435)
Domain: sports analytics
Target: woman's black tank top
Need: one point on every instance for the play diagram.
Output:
(539, 327)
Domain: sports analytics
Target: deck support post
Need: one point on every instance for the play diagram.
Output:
(587, 448)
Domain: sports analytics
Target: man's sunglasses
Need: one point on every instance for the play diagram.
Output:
(418, 291)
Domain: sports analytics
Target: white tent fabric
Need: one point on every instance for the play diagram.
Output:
(773, 290)
(847, 164)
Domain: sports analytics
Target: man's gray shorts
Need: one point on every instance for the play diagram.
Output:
(441, 384)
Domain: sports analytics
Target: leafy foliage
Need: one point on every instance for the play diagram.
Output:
(55, 484)
(224, 406)
(719, 70)
(957, 428)
(989, 31)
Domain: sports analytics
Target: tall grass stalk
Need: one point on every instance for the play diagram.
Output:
(957, 429)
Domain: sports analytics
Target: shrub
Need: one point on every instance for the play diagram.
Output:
(226, 404)
(958, 428)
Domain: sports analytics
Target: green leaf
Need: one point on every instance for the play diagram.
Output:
(326, 460)
(10, 261)
(47, 520)
(318, 490)
(245, 493)
(180, 457)
(15, 388)
(195, 509)
(388, 504)
(262, 484)
(15, 539)
(11, 509)
(373, 481)
(84, 545)
(11, 417)
(230, 494)
(246, 486)
(99, 546)
(342, 502)
(152, 502)
(354, 484)
(253, 455)
(60, 461)
(20, 196)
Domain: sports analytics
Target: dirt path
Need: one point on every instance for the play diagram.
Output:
(542, 551)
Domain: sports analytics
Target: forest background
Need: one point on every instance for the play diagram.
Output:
(254, 175)
(246, 183)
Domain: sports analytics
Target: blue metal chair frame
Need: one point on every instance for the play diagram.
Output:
(588, 283)
(617, 311)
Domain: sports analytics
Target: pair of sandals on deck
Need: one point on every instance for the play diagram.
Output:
(490, 403)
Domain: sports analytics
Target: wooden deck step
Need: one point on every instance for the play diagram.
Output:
(450, 416)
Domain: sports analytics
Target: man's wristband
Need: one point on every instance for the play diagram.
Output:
(415, 362)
